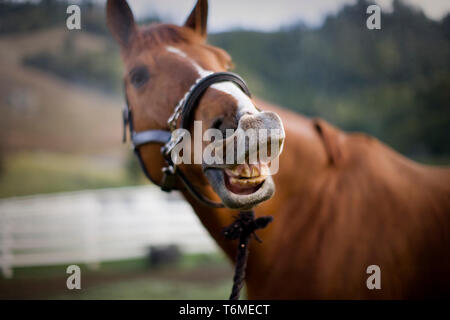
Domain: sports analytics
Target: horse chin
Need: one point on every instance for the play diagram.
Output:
(243, 199)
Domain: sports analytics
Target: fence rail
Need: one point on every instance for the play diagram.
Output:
(94, 226)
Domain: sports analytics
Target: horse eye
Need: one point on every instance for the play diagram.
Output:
(139, 76)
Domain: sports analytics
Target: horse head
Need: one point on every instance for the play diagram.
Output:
(162, 62)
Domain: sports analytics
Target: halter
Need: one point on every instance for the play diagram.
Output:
(183, 109)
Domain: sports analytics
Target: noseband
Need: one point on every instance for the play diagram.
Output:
(184, 109)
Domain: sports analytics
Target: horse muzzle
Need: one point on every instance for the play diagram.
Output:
(242, 178)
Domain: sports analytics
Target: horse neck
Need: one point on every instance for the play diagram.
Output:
(301, 154)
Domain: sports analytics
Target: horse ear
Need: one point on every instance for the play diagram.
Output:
(331, 141)
(120, 21)
(198, 18)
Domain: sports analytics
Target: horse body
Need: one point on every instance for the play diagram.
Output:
(343, 202)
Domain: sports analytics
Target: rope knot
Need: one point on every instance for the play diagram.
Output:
(246, 225)
(242, 228)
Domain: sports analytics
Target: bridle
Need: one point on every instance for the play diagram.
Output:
(169, 140)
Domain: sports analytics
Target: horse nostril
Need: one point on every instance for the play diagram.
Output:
(217, 123)
(224, 124)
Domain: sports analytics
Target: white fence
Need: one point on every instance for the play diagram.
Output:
(95, 226)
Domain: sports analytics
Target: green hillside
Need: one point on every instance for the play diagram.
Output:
(393, 83)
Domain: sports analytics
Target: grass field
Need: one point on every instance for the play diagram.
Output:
(193, 277)
(46, 172)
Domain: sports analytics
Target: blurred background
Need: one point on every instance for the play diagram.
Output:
(71, 193)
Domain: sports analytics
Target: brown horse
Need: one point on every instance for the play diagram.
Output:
(343, 201)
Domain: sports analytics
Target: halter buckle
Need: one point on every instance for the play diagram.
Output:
(175, 139)
(169, 180)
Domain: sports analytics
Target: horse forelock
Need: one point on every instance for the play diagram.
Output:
(165, 34)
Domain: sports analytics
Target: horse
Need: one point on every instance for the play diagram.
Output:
(342, 202)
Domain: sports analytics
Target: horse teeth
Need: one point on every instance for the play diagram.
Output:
(246, 171)
(246, 182)
(255, 171)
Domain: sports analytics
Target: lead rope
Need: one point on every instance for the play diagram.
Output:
(243, 228)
